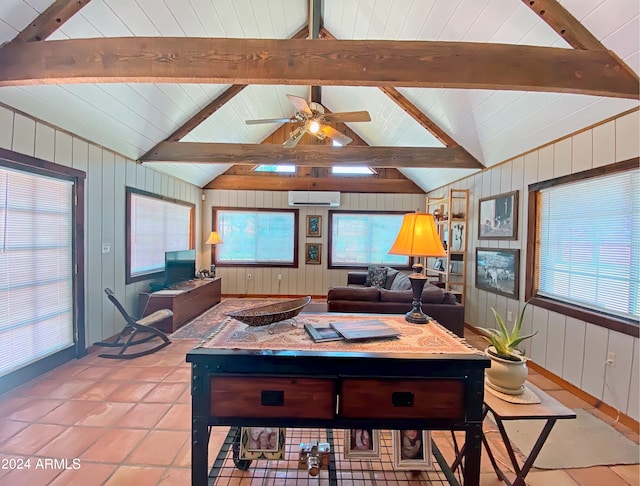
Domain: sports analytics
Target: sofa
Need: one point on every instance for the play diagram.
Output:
(393, 295)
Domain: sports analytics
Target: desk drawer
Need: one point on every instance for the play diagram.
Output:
(398, 398)
(272, 397)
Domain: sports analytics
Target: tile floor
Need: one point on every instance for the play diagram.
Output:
(96, 421)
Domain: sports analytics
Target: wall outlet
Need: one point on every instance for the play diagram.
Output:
(509, 316)
(106, 248)
(248, 276)
(611, 359)
(279, 276)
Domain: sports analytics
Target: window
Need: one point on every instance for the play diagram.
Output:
(587, 241)
(351, 170)
(257, 237)
(155, 225)
(289, 169)
(358, 239)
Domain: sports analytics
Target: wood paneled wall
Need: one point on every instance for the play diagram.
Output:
(569, 348)
(107, 176)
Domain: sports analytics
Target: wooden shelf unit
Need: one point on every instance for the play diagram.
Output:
(453, 232)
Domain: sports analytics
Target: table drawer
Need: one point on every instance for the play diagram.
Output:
(401, 398)
(272, 397)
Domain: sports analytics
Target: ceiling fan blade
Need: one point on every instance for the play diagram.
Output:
(300, 104)
(348, 116)
(334, 134)
(268, 120)
(295, 137)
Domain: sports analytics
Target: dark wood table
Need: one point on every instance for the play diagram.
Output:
(335, 385)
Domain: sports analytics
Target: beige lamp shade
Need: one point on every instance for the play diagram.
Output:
(214, 239)
(418, 236)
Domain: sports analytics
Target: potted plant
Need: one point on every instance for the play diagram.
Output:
(508, 370)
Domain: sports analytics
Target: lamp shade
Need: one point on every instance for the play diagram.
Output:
(418, 236)
(214, 239)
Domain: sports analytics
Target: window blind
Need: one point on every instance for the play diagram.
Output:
(589, 243)
(36, 274)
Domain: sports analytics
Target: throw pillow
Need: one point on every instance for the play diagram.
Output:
(376, 277)
(401, 282)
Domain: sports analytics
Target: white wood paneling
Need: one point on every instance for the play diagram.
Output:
(633, 401)
(595, 348)
(617, 377)
(573, 352)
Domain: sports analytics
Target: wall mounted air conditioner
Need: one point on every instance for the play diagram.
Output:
(314, 198)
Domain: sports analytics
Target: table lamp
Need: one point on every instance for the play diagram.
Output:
(213, 240)
(418, 237)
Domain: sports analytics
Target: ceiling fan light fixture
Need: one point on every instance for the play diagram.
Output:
(314, 126)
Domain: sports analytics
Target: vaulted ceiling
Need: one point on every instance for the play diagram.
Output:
(452, 86)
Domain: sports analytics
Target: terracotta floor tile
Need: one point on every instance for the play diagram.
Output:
(185, 397)
(179, 375)
(31, 438)
(177, 418)
(11, 403)
(98, 391)
(144, 415)
(138, 475)
(176, 476)
(568, 399)
(54, 388)
(159, 448)
(131, 392)
(155, 374)
(542, 382)
(94, 373)
(630, 473)
(89, 473)
(114, 445)
(547, 478)
(165, 393)
(125, 373)
(183, 459)
(596, 476)
(9, 428)
(106, 414)
(37, 474)
(69, 412)
(72, 442)
(34, 409)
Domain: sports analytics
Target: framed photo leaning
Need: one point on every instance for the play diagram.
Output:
(314, 225)
(262, 443)
(412, 450)
(498, 218)
(497, 271)
(361, 443)
(313, 252)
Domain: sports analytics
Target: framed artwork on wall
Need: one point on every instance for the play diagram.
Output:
(498, 217)
(497, 271)
(361, 443)
(313, 252)
(314, 225)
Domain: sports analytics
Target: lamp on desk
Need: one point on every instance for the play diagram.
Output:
(418, 237)
(213, 240)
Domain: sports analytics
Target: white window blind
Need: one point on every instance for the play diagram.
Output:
(266, 237)
(36, 274)
(360, 239)
(589, 243)
(157, 226)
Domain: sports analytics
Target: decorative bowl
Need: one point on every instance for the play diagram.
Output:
(263, 315)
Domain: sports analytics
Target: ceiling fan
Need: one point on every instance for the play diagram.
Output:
(315, 120)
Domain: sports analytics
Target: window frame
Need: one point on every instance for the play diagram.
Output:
(130, 191)
(296, 238)
(330, 263)
(619, 324)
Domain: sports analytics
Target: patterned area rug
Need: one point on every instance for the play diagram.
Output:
(205, 324)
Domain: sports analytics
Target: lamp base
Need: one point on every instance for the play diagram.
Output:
(418, 279)
(212, 271)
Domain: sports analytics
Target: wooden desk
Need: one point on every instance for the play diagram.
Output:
(187, 300)
(549, 410)
(298, 383)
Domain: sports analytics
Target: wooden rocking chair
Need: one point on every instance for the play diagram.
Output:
(133, 327)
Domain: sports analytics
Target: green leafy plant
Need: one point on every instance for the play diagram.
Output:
(502, 339)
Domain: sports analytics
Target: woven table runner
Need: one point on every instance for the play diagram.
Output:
(290, 335)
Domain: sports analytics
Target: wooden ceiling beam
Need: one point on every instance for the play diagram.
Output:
(466, 65)
(312, 155)
(283, 183)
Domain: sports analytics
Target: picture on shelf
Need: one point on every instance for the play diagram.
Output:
(497, 271)
(361, 443)
(498, 218)
(412, 450)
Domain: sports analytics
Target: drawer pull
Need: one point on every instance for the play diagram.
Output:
(402, 399)
(272, 398)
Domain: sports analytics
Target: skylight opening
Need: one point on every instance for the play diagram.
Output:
(351, 170)
(286, 168)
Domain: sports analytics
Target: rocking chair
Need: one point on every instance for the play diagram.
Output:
(133, 327)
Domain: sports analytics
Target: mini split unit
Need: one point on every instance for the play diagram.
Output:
(314, 198)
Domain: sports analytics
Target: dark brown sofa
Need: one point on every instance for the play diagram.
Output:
(395, 297)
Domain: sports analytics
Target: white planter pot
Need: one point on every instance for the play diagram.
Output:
(506, 376)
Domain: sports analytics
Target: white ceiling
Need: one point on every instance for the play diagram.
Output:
(493, 126)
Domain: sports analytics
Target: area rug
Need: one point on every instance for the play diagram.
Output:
(581, 442)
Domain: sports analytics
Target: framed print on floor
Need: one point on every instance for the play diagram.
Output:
(498, 218)
(361, 443)
(412, 450)
(262, 443)
(497, 271)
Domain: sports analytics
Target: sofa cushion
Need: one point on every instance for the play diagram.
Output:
(433, 295)
(401, 282)
(370, 294)
(430, 295)
(391, 276)
(395, 295)
(376, 277)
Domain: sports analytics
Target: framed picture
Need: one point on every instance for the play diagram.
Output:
(412, 450)
(497, 271)
(314, 225)
(498, 218)
(262, 443)
(361, 443)
(313, 253)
